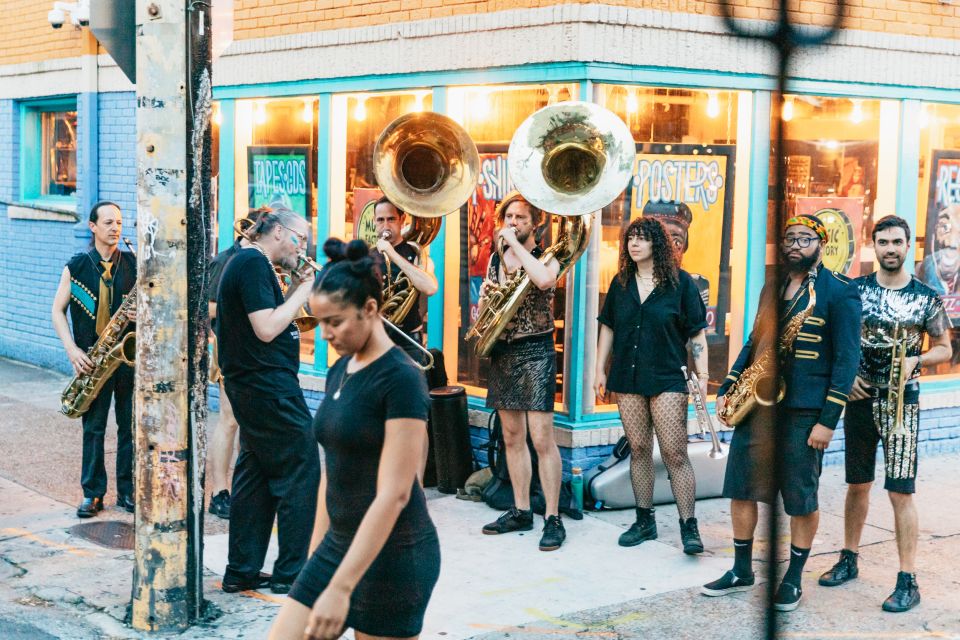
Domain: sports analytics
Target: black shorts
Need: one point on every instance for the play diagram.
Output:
(754, 468)
(870, 421)
(391, 597)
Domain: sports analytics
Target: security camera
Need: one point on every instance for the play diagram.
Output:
(56, 18)
(81, 15)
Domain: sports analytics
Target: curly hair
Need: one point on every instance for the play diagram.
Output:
(666, 263)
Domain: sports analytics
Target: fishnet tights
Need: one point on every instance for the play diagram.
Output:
(667, 415)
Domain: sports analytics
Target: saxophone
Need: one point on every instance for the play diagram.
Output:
(108, 353)
(756, 385)
(502, 301)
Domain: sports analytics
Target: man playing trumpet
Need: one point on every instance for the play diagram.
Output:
(898, 310)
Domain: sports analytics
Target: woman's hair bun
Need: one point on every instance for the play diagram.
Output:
(356, 250)
(334, 249)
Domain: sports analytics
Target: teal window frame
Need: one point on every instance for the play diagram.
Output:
(31, 154)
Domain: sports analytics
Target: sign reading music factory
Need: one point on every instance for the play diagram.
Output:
(279, 176)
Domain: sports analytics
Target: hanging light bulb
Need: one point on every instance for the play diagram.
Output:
(713, 105)
(360, 112)
(787, 114)
(307, 114)
(260, 114)
(633, 104)
(217, 115)
(418, 100)
(481, 104)
(856, 115)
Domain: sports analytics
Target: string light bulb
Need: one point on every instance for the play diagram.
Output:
(481, 104)
(418, 100)
(787, 113)
(856, 115)
(260, 114)
(713, 105)
(307, 114)
(360, 111)
(924, 116)
(217, 115)
(633, 105)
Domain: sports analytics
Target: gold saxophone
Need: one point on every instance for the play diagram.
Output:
(568, 159)
(756, 385)
(502, 301)
(111, 350)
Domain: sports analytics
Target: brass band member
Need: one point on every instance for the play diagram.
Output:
(405, 259)
(894, 302)
(817, 370)
(220, 452)
(377, 555)
(93, 285)
(652, 311)
(278, 468)
(523, 370)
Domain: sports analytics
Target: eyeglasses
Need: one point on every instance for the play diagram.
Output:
(301, 238)
(801, 241)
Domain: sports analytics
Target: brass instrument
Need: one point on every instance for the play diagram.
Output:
(426, 165)
(897, 381)
(756, 385)
(703, 416)
(110, 350)
(568, 159)
(304, 261)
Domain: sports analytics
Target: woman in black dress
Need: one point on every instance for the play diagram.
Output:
(652, 311)
(378, 557)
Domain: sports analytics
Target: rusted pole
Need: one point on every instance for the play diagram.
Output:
(173, 195)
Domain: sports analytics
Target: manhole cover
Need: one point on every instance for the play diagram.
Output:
(112, 534)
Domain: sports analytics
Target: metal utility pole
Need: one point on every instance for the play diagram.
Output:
(173, 196)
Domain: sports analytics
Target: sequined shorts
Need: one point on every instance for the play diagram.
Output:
(523, 374)
(867, 422)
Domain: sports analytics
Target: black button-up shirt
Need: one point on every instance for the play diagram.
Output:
(650, 338)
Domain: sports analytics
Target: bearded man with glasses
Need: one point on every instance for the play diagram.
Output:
(818, 371)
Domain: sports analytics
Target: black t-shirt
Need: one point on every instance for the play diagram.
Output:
(351, 430)
(650, 338)
(916, 308)
(249, 284)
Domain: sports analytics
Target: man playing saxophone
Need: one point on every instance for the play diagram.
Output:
(820, 311)
(93, 285)
(523, 369)
(404, 260)
(898, 310)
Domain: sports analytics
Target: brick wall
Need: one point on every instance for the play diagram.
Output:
(261, 18)
(117, 155)
(28, 37)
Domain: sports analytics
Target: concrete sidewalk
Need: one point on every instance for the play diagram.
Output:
(56, 585)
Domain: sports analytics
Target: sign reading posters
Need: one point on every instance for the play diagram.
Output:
(280, 176)
(941, 264)
(842, 217)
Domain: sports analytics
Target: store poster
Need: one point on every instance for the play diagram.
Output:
(493, 185)
(843, 218)
(699, 180)
(279, 176)
(364, 203)
(941, 265)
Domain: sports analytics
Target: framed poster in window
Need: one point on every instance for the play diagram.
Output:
(941, 264)
(279, 176)
(843, 218)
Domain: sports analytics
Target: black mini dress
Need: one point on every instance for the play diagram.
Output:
(392, 596)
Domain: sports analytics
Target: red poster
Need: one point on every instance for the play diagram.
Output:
(364, 199)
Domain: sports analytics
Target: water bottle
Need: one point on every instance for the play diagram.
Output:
(576, 487)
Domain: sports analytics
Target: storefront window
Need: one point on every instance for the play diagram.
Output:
(275, 164)
(490, 115)
(59, 146)
(938, 214)
(686, 153)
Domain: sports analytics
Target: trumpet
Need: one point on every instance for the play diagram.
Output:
(897, 381)
(703, 417)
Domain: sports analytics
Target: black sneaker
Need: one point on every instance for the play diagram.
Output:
(906, 596)
(235, 585)
(220, 505)
(280, 588)
(553, 534)
(510, 521)
(690, 537)
(728, 583)
(645, 528)
(788, 597)
(844, 571)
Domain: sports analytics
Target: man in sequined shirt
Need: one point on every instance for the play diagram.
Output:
(893, 301)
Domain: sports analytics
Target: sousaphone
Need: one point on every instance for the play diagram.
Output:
(569, 159)
(426, 165)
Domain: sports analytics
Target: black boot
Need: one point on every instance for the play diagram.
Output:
(690, 536)
(645, 528)
(906, 596)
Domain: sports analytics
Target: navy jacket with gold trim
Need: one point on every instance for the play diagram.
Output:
(821, 368)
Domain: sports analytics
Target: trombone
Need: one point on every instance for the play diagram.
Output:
(242, 227)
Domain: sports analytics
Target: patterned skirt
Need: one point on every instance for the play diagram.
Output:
(523, 374)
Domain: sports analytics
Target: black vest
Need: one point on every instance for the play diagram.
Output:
(85, 271)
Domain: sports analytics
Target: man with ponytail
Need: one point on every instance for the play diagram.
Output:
(278, 467)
